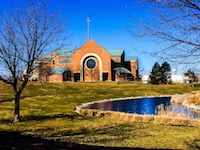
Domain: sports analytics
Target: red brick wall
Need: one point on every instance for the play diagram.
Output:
(89, 47)
(56, 78)
(116, 58)
(92, 74)
(57, 61)
(92, 47)
(134, 68)
(45, 69)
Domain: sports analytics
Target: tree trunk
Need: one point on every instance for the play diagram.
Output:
(17, 108)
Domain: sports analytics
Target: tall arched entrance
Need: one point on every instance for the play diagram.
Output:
(91, 68)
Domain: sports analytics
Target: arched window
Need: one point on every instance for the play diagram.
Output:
(53, 62)
(91, 63)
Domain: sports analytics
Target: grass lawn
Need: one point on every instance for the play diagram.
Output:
(48, 112)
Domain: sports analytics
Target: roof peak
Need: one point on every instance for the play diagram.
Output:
(115, 52)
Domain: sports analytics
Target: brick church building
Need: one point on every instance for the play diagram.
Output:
(89, 63)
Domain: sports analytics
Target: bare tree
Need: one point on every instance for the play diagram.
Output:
(26, 32)
(93, 74)
(175, 25)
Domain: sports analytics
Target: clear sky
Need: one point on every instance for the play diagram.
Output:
(108, 26)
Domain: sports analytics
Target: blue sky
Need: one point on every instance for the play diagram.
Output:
(108, 27)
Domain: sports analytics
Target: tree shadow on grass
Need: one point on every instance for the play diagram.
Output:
(49, 117)
(45, 117)
(6, 100)
(195, 144)
(14, 140)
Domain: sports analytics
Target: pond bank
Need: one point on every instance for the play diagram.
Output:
(182, 99)
(155, 119)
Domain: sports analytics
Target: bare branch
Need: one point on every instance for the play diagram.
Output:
(175, 25)
(26, 33)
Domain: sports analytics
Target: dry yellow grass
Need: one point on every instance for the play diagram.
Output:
(160, 119)
(48, 112)
(194, 98)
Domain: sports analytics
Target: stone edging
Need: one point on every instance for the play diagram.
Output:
(182, 99)
(155, 119)
(191, 106)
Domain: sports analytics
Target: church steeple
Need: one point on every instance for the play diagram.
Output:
(88, 23)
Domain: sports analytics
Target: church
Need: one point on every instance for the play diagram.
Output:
(89, 63)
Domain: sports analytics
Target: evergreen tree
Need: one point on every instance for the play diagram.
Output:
(165, 73)
(155, 74)
(160, 74)
(191, 75)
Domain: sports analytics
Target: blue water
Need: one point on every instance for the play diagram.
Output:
(143, 106)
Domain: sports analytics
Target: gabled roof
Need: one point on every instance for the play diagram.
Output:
(63, 53)
(60, 70)
(68, 60)
(122, 70)
(46, 58)
(129, 58)
(115, 52)
(90, 44)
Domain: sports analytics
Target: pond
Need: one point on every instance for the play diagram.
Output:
(150, 106)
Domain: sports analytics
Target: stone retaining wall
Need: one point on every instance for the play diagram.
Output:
(183, 100)
(125, 117)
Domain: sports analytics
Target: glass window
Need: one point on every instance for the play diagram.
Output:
(91, 63)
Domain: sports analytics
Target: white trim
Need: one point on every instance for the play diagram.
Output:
(133, 60)
(100, 65)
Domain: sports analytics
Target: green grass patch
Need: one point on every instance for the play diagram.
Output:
(48, 112)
